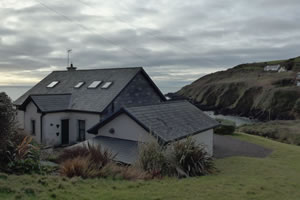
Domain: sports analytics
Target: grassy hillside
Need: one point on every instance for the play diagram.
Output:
(276, 177)
(247, 90)
(286, 131)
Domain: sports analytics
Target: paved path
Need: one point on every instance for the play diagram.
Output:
(227, 146)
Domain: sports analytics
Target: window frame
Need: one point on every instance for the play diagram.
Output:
(52, 84)
(94, 84)
(33, 127)
(107, 85)
(79, 84)
(81, 130)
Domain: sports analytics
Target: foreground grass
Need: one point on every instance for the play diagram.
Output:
(275, 177)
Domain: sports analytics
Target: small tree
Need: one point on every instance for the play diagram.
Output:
(7, 123)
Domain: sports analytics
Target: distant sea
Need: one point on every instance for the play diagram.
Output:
(14, 92)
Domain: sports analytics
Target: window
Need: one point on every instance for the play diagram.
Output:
(81, 130)
(78, 85)
(33, 127)
(95, 84)
(52, 84)
(106, 85)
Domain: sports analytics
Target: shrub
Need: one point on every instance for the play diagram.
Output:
(85, 161)
(97, 154)
(153, 160)
(80, 166)
(191, 158)
(24, 157)
(7, 126)
(226, 127)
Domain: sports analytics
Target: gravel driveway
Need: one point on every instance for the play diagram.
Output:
(227, 146)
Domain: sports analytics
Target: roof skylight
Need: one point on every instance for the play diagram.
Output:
(78, 85)
(94, 84)
(52, 84)
(106, 85)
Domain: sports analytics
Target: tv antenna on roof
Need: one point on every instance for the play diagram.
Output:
(69, 51)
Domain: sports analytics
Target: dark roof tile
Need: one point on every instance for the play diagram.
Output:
(50, 103)
(169, 121)
(93, 100)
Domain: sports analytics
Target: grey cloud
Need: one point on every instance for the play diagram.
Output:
(164, 36)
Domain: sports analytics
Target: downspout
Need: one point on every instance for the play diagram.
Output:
(41, 121)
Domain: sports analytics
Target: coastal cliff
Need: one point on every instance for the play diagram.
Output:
(248, 90)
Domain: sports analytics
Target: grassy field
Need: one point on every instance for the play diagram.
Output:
(287, 131)
(274, 177)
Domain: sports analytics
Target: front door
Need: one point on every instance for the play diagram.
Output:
(65, 131)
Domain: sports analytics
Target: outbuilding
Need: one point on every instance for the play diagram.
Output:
(165, 122)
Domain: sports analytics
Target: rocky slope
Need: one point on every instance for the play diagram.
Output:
(247, 90)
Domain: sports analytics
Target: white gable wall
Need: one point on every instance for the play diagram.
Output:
(30, 114)
(52, 126)
(205, 139)
(125, 128)
(20, 119)
(128, 129)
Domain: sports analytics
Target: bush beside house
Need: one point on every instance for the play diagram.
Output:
(182, 159)
(226, 127)
(19, 154)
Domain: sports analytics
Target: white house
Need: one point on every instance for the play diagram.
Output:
(120, 107)
(164, 122)
(275, 68)
(60, 108)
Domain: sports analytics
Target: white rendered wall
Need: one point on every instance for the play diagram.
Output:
(52, 126)
(20, 119)
(205, 139)
(125, 128)
(31, 113)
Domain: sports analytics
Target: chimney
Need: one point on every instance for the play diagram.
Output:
(71, 68)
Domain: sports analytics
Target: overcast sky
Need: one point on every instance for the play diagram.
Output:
(176, 41)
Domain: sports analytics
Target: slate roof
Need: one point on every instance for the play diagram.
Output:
(50, 103)
(126, 151)
(168, 121)
(83, 99)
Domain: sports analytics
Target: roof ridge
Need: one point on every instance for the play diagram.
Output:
(117, 68)
(50, 94)
(160, 103)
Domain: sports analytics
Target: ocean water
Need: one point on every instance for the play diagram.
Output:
(14, 92)
(239, 121)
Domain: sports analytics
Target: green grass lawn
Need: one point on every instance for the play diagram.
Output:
(274, 177)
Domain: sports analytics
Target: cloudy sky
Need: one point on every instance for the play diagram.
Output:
(176, 41)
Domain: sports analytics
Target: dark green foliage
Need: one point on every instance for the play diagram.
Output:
(284, 82)
(297, 106)
(18, 154)
(282, 131)
(7, 126)
(29, 191)
(182, 159)
(192, 158)
(6, 190)
(226, 127)
(23, 158)
(153, 160)
(283, 101)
